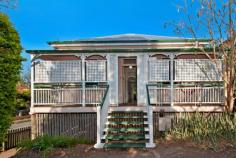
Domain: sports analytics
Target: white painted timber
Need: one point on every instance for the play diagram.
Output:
(32, 81)
(64, 109)
(83, 79)
(102, 113)
(142, 78)
(57, 71)
(158, 69)
(128, 108)
(189, 108)
(68, 96)
(151, 143)
(171, 80)
(198, 70)
(113, 78)
(99, 136)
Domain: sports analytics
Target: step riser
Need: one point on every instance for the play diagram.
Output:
(125, 145)
(127, 115)
(126, 133)
(127, 141)
(127, 119)
(127, 126)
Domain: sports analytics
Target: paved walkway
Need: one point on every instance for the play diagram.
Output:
(21, 124)
(8, 153)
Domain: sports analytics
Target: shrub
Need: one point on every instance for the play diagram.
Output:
(200, 129)
(10, 64)
(45, 142)
(83, 140)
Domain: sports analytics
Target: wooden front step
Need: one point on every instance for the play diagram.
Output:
(126, 129)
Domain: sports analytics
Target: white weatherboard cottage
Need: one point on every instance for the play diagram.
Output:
(111, 89)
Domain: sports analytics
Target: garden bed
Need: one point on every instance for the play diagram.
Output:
(165, 149)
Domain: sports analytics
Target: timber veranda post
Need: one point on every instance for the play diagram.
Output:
(33, 119)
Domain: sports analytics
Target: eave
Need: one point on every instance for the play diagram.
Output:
(116, 51)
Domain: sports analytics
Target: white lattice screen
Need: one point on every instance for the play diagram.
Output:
(197, 70)
(158, 70)
(96, 70)
(58, 71)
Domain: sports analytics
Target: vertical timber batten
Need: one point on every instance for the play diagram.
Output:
(83, 80)
(32, 81)
(172, 79)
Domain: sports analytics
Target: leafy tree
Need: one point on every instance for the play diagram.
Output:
(10, 65)
(215, 20)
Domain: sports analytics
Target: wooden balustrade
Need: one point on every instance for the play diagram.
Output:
(159, 95)
(186, 95)
(67, 96)
(205, 95)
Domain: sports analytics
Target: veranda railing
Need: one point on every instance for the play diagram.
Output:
(204, 95)
(159, 95)
(68, 96)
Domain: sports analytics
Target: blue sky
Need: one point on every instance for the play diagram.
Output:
(39, 21)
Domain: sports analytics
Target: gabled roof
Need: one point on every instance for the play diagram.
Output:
(129, 38)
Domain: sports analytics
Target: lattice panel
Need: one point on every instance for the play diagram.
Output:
(197, 70)
(95, 70)
(58, 71)
(158, 70)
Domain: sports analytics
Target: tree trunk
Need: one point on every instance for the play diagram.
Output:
(230, 98)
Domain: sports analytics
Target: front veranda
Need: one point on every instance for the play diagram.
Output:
(85, 83)
(70, 80)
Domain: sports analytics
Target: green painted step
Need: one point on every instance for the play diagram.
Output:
(125, 137)
(128, 117)
(125, 145)
(127, 112)
(126, 122)
(125, 129)
(126, 126)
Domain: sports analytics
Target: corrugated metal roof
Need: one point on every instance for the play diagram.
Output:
(129, 38)
(135, 37)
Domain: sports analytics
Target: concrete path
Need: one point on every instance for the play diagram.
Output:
(21, 124)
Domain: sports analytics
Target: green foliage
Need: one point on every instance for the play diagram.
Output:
(84, 140)
(10, 64)
(22, 100)
(47, 143)
(44, 142)
(202, 129)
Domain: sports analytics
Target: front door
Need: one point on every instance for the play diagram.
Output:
(127, 81)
